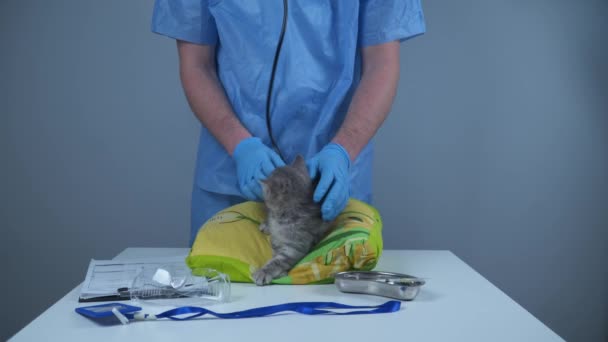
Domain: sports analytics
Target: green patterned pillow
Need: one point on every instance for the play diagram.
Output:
(231, 242)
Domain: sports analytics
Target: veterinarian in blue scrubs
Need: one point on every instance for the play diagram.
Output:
(335, 78)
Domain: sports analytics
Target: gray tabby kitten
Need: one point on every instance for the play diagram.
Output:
(293, 219)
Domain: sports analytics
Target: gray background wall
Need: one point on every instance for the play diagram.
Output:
(496, 149)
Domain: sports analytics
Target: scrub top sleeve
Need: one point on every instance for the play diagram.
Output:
(188, 20)
(382, 21)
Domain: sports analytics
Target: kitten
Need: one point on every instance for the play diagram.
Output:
(293, 219)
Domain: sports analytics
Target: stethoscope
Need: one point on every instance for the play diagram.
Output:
(274, 68)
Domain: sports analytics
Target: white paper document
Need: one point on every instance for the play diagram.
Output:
(105, 277)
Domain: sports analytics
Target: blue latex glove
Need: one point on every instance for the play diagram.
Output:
(254, 162)
(332, 163)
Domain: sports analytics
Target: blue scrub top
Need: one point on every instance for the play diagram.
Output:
(317, 72)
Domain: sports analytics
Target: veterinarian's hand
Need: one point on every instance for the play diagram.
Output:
(254, 162)
(332, 164)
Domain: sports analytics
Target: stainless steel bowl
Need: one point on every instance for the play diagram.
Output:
(385, 284)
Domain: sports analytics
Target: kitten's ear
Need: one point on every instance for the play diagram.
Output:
(300, 164)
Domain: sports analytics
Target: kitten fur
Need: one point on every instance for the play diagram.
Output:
(293, 219)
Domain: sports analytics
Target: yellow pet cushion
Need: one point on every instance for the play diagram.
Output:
(232, 243)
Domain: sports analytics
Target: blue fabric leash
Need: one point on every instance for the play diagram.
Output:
(306, 308)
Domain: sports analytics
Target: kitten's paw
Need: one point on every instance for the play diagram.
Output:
(264, 228)
(262, 277)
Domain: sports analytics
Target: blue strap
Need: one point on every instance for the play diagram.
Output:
(306, 308)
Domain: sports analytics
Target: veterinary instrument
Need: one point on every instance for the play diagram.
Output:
(274, 69)
(176, 284)
(385, 284)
